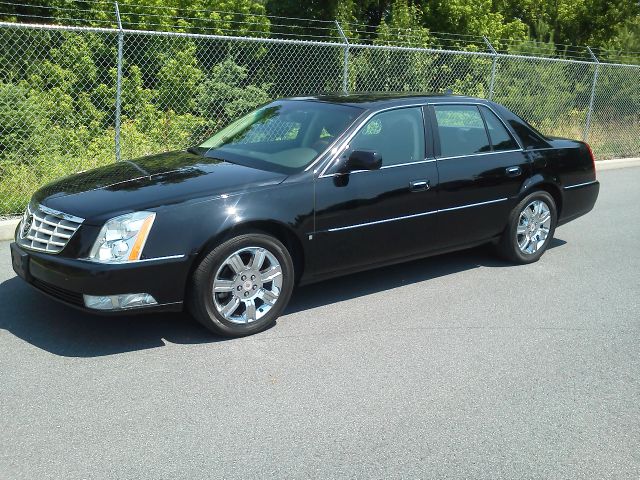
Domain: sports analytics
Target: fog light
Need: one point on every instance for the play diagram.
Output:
(119, 302)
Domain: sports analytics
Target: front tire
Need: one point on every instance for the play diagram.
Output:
(242, 286)
(530, 229)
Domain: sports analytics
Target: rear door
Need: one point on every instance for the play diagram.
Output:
(481, 168)
(369, 217)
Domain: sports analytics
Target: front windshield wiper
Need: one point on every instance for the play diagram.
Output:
(195, 151)
(204, 152)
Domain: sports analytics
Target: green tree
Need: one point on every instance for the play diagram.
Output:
(227, 94)
(178, 81)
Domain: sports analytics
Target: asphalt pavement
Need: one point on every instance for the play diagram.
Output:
(458, 366)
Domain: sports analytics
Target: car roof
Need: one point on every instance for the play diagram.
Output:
(376, 101)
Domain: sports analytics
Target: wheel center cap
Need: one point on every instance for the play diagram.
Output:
(247, 285)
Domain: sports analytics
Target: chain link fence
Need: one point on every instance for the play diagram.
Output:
(73, 98)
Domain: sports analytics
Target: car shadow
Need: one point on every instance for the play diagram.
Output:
(373, 281)
(63, 331)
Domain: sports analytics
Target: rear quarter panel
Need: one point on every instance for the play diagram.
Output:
(567, 165)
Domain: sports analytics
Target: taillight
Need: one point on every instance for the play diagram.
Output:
(593, 158)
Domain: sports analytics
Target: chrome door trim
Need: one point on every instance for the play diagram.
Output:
(386, 220)
(404, 217)
(473, 205)
(568, 187)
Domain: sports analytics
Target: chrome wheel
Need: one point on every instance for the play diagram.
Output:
(247, 285)
(534, 224)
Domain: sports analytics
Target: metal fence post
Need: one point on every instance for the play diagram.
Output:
(345, 69)
(118, 83)
(587, 126)
(494, 54)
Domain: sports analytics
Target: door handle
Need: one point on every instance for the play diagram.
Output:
(514, 171)
(419, 185)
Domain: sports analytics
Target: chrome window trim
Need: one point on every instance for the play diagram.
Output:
(422, 214)
(478, 154)
(568, 187)
(515, 137)
(512, 133)
(429, 160)
(340, 146)
(551, 148)
(345, 144)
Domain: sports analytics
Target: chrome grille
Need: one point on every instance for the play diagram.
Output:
(46, 230)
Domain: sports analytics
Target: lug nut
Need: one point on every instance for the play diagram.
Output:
(244, 277)
(253, 277)
(255, 286)
(239, 288)
(246, 294)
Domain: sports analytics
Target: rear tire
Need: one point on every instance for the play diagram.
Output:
(530, 229)
(241, 286)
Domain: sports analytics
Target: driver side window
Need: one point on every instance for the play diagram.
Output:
(396, 135)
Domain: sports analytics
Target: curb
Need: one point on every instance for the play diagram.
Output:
(617, 163)
(8, 227)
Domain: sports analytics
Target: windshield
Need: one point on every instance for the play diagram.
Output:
(283, 136)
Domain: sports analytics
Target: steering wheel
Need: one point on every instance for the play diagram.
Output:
(321, 145)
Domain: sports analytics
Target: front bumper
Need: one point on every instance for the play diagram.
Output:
(67, 280)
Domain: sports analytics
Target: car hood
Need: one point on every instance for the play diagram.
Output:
(149, 182)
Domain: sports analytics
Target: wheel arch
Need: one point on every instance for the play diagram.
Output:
(538, 183)
(278, 230)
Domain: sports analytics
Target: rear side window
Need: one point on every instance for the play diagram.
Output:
(528, 136)
(461, 130)
(500, 137)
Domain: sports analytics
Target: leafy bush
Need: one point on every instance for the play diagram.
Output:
(57, 92)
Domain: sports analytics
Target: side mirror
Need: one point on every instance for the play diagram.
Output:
(362, 160)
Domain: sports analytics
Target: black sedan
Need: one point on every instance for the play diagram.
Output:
(297, 191)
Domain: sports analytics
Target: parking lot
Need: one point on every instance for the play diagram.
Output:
(458, 366)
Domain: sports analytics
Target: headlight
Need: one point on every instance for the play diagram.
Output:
(122, 238)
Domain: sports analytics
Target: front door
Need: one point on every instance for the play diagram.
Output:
(370, 217)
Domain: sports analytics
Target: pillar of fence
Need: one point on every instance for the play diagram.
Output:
(587, 125)
(118, 84)
(345, 67)
(494, 56)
